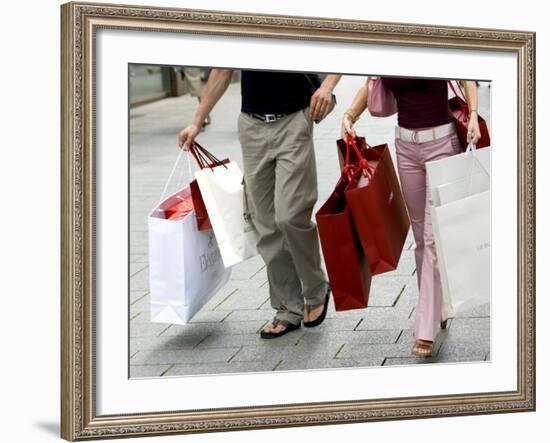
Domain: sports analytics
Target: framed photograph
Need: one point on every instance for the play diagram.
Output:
(160, 337)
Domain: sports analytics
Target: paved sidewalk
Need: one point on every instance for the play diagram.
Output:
(224, 336)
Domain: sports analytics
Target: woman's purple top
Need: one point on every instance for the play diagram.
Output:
(421, 103)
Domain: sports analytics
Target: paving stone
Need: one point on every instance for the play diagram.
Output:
(145, 371)
(299, 353)
(138, 238)
(375, 350)
(220, 368)
(479, 311)
(146, 328)
(335, 324)
(386, 290)
(137, 295)
(409, 296)
(248, 269)
(139, 257)
(184, 356)
(226, 291)
(406, 265)
(164, 342)
(137, 267)
(238, 340)
(352, 314)
(457, 352)
(407, 361)
(327, 364)
(156, 357)
(471, 323)
(142, 248)
(209, 316)
(245, 327)
(248, 314)
(480, 336)
(351, 337)
(140, 281)
(244, 299)
(386, 318)
(140, 305)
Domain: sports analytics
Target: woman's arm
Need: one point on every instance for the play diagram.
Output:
(353, 113)
(470, 90)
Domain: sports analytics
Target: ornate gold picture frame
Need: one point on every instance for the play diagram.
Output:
(80, 23)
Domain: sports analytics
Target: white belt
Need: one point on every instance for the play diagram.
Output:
(424, 135)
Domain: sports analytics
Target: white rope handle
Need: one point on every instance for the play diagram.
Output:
(471, 148)
(170, 177)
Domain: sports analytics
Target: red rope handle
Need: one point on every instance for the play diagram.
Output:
(364, 166)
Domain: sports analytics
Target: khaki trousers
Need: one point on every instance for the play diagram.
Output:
(281, 188)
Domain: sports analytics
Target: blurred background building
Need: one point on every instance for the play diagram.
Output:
(149, 83)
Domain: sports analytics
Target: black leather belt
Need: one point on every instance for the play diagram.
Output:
(268, 118)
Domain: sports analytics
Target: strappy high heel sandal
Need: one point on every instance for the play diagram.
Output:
(423, 348)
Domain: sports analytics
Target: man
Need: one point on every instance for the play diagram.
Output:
(276, 135)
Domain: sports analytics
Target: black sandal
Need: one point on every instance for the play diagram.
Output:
(288, 327)
(321, 318)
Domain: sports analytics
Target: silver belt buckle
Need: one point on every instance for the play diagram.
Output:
(270, 118)
(414, 137)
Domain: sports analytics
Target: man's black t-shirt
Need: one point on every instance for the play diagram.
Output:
(274, 92)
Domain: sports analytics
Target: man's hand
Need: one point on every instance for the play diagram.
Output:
(187, 136)
(320, 103)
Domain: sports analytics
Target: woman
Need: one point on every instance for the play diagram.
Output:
(425, 132)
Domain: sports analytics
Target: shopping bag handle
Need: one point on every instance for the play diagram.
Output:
(471, 148)
(349, 170)
(204, 158)
(171, 175)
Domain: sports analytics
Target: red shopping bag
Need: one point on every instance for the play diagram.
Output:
(460, 111)
(376, 202)
(204, 159)
(203, 222)
(179, 210)
(347, 267)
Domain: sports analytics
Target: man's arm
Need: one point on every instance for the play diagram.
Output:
(322, 98)
(217, 84)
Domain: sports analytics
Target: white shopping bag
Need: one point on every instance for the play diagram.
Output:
(223, 193)
(185, 266)
(460, 198)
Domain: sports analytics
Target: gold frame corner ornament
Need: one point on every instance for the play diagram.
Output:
(79, 21)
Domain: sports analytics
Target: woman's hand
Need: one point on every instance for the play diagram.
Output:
(187, 136)
(474, 133)
(347, 127)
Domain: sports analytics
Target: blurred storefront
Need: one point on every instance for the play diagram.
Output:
(154, 82)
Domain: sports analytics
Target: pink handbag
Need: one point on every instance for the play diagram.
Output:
(380, 101)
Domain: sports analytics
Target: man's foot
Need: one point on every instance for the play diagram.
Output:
(277, 329)
(316, 315)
